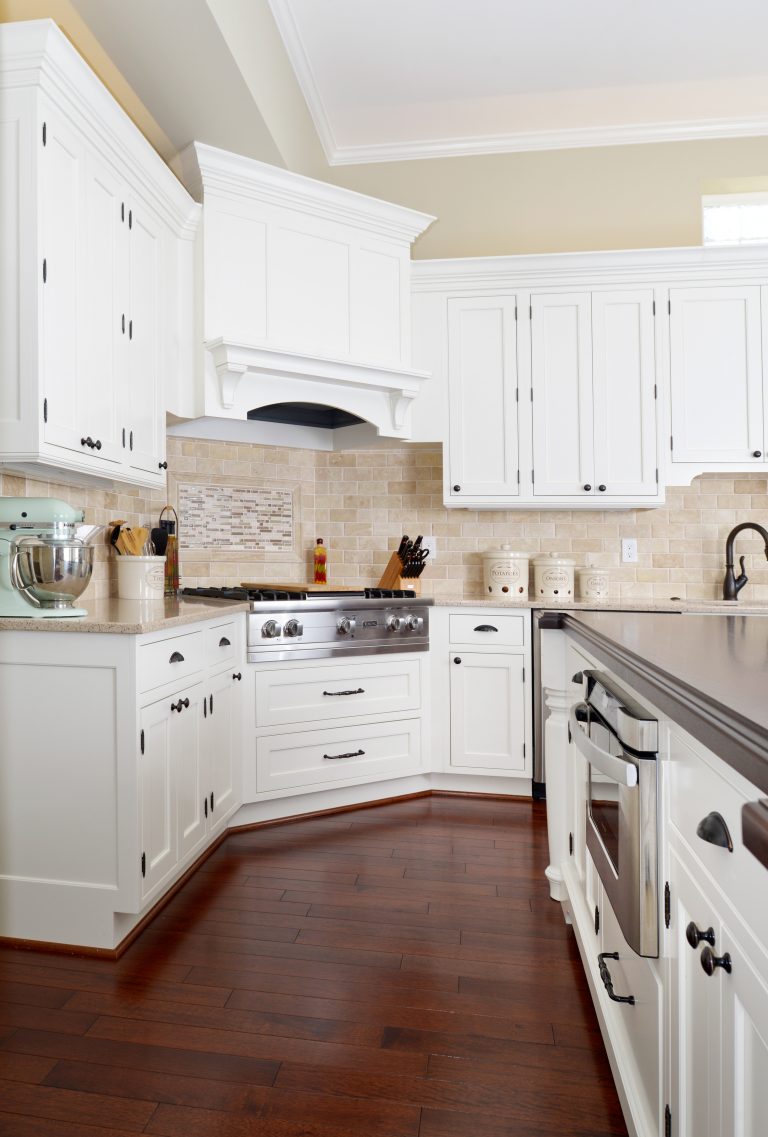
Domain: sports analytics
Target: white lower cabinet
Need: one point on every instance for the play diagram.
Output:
(488, 703)
(132, 771)
(336, 723)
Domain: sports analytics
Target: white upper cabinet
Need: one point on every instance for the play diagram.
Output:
(482, 397)
(100, 238)
(594, 404)
(306, 294)
(717, 376)
(561, 386)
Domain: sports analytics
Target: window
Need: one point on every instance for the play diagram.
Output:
(735, 218)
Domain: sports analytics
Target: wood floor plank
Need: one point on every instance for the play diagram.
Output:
(398, 971)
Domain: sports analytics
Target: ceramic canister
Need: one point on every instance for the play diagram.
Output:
(553, 577)
(593, 583)
(505, 574)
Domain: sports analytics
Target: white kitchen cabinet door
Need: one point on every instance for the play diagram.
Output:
(716, 375)
(157, 812)
(488, 696)
(190, 768)
(744, 1037)
(624, 394)
(561, 378)
(143, 408)
(483, 399)
(221, 735)
(694, 1013)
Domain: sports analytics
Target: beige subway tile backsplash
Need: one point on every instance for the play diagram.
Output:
(360, 502)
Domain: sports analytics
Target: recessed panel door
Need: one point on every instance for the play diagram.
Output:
(487, 711)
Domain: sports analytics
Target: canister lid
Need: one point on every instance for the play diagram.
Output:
(506, 552)
(549, 560)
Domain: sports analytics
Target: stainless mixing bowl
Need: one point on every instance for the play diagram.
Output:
(51, 574)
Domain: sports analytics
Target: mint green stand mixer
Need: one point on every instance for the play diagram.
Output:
(44, 562)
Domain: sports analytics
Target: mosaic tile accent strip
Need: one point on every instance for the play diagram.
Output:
(250, 518)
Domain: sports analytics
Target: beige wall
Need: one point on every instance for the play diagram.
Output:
(619, 197)
(361, 502)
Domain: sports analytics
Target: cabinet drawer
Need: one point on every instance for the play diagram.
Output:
(334, 691)
(339, 754)
(697, 788)
(220, 643)
(487, 629)
(168, 661)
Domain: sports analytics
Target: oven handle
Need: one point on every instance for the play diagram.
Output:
(621, 771)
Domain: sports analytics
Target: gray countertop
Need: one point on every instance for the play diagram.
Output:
(709, 673)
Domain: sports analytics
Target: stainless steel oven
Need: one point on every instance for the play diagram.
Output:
(619, 739)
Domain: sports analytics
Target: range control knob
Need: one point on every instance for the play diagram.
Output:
(271, 629)
(293, 628)
(345, 625)
(414, 623)
(395, 624)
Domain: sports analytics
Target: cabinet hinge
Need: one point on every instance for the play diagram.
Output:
(532, 478)
(531, 394)
(141, 739)
(45, 270)
(654, 307)
(205, 806)
(523, 682)
(143, 864)
(597, 919)
(45, 410)
(517, 394)
(122, 211)
(45, 134)
(657, 477)
(669, 307)
(655, 391)
(570, 843)
(523, 750)
(130, 219)
(530, 311)
(667, 1121)
(515, 313)
(667, 905)
(518, 477)
(671, 442)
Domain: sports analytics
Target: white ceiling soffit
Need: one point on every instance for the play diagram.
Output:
(387, 80)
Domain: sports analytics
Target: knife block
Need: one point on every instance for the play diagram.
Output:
(391, 577)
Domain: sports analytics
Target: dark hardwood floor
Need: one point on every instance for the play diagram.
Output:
(398, 971)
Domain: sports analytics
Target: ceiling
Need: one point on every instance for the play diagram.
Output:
(304, 83)
(387, 80)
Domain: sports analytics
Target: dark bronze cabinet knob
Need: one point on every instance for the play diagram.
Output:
(710, 961)
(694, 935)
(588, 487)
(457, 659)
(757, 453)
(162, 465)
(456, 489)
(602, 489)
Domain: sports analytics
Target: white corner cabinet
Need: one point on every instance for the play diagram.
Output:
(98, 254)
(305, 294)
(690, 1057)
(327, 724)
(131, 774)
(591, 380)
(481, 674)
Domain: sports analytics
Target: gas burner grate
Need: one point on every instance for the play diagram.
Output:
(388, 594)
(257, 594)
(218, 593)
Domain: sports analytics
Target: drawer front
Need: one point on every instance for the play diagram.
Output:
(221, 643)
(337, 755)
(487, 630)
(697, 787)
(337, 691)
(170, 660)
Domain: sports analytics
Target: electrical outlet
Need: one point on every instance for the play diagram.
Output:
(629, 550)
(431, 544)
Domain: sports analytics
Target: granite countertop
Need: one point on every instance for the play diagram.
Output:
(128, 616)
(708, 673)
(736, 607)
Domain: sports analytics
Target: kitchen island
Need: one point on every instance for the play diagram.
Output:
(685, 1024)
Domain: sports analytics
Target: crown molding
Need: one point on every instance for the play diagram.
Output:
(206, 169)
(571, 139)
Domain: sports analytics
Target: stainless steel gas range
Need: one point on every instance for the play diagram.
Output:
(285, 625)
